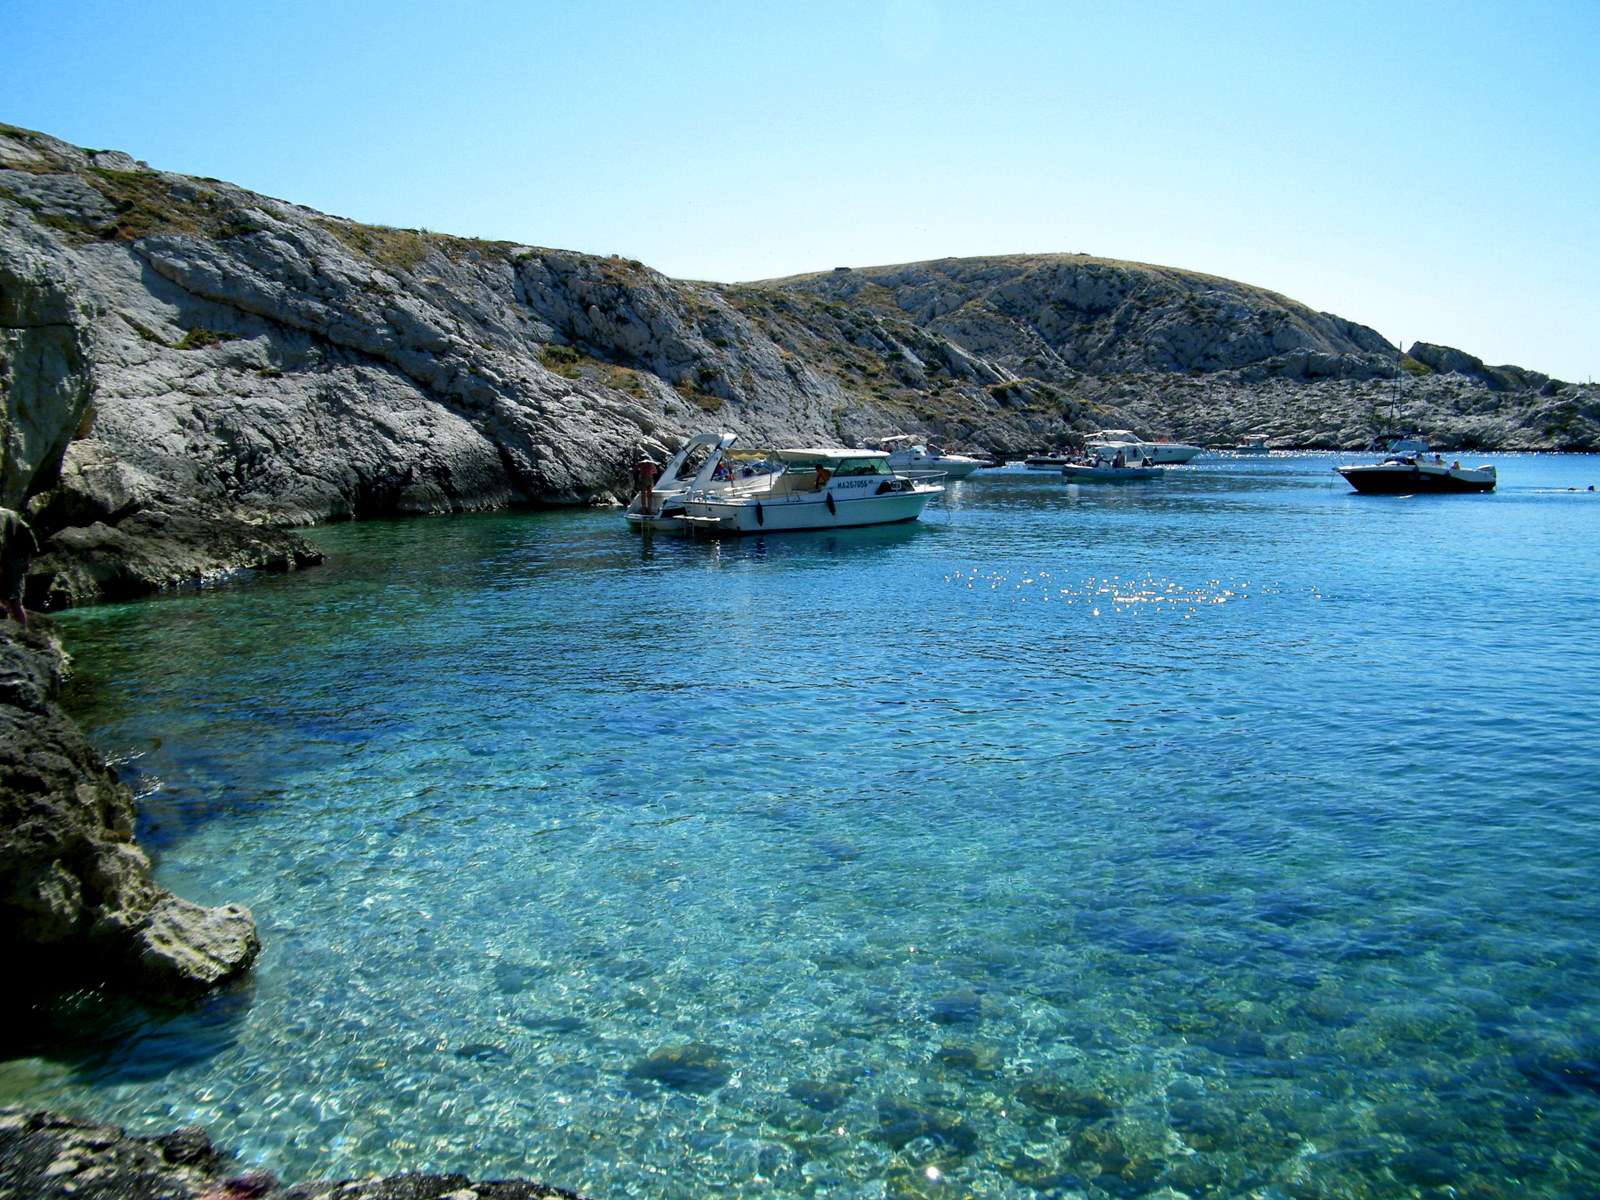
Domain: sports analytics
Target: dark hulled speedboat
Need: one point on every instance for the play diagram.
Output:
(1416, 474)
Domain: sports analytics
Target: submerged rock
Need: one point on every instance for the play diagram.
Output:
(484, 1052)
(689, 1067)
(1059, 1098)
(820, 1095)
(900, 1123)
(957, 1006)
(982, 1061)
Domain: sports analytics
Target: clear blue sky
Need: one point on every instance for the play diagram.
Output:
(1429, 169)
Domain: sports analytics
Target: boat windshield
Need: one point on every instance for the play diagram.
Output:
(837, 465)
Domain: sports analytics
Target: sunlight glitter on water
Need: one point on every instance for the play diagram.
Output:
(1062, 846)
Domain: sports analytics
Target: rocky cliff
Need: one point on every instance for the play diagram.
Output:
(183, 355)
(1171, 353)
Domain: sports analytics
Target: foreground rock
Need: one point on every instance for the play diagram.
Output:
(77, 904)
(44, 1155)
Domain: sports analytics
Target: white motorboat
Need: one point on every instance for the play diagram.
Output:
(1255, 443)
(1400, 443)
(1104, 473)
(704, 453)
(811, 488)
(1109, 441)
(1417, 474)
(910, 452)
(818, 488)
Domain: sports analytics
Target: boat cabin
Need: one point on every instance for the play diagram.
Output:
(801, 467)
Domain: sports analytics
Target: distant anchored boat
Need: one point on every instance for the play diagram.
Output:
(1109, 441)
(1416, 474)
(910, 452)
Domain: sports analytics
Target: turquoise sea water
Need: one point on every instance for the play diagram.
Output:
(1234, 835)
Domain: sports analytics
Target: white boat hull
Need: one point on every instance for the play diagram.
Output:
(951, 466)
(1168, 453)
(777, 514)
(1108, 442)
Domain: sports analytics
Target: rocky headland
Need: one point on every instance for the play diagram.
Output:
(189, 370)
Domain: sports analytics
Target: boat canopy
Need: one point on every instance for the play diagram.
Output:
(814, 455)
(838, 462)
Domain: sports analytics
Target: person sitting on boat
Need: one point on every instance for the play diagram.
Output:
(1121, 460)
(823, 475)
(1145, 461)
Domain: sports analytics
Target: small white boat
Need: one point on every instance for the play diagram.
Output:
(1400, 443)
(1102, 473)
(1256, 443)
(910, 452)
(1109, 441)
(1416, 474)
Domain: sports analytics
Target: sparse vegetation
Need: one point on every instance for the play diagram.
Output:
(199, 339)
(563, 360)
(704, 401)
(396, 249)
(624, 379)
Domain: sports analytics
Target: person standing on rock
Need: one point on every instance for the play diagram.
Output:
(17, 548)
(644, 471)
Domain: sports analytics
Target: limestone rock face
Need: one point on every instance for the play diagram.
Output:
(47, 316)
(76, 899)
(179, 351)
(1105, 317)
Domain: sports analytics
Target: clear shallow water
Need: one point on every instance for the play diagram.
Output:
(1234, 835)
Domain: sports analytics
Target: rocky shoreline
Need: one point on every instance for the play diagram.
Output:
(77, 904)
(48, 1155)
